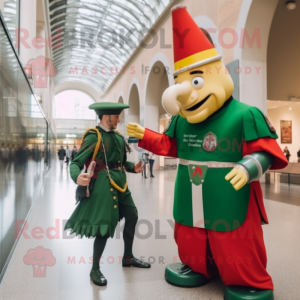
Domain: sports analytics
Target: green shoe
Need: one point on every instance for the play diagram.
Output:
(183, 275)
(134, 262)
(98, 278)
(247, 293)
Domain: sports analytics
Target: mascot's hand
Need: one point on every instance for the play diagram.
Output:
(135, 130)
(238, 178)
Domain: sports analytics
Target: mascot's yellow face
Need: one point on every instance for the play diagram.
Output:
(198, 92)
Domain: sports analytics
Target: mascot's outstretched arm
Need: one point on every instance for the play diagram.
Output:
(159, 144)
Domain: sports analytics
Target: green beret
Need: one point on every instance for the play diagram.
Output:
(108, 108)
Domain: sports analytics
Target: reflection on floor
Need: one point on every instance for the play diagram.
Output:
(282, 192)
(67, 276)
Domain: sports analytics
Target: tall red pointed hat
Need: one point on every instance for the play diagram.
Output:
(190, 45)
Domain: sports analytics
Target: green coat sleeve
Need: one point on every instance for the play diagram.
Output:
(130, 167)
(86, 152)
(256, 125)
(171, 128)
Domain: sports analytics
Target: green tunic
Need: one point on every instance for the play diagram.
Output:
(99, 214)
(218, 144)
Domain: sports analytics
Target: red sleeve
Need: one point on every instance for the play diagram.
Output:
(159, 144)
(269, 145)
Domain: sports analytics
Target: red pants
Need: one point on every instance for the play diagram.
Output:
(238, 256)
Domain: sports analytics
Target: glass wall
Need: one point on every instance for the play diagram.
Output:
(11, 13)
(26, 146)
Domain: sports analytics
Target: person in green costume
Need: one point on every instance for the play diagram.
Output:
(97, 215)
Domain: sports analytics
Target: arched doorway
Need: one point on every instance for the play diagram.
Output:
(134, 117)
(73, 116)
(156, 117)
(254, 27)
(283, 90)
(268, 50)
(74, 104)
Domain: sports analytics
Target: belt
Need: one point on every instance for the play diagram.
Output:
(110, 166)
(210, 164)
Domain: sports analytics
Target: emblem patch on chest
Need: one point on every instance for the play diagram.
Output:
(210, 142)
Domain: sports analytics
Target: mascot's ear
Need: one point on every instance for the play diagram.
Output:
(169, 101)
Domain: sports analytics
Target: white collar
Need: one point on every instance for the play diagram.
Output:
(105, 128)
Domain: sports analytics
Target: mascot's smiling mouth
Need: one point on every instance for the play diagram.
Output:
(198, 104)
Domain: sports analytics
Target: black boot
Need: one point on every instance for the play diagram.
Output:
(134, 262)
(98, 278)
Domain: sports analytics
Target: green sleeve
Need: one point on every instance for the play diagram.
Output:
(86, 152)
(130, 167)
(257, 164)
(256, 125)
(171, 128)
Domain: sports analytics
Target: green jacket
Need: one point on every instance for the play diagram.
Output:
(99, 214)
(214, 142)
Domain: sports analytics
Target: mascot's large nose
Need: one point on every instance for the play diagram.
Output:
(178, 92)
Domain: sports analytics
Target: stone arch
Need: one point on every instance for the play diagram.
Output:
(159, 78)
(157, 83)
(255, 19)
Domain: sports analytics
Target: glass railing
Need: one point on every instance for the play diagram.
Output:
(27, 145)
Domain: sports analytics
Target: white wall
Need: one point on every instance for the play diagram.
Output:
(1, 5)
(28, 22)
(283, 113)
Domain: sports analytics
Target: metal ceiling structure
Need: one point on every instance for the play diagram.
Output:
(98, 36)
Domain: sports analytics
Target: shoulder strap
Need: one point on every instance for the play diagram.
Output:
(98, 141)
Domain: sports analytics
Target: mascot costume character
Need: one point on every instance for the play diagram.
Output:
(224, 147)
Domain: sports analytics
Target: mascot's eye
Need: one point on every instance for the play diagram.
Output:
(36, 68)
(45, 68)
(43, 258)
(35, 258)
(198, 82)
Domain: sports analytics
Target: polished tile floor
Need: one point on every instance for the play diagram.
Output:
(68, 277)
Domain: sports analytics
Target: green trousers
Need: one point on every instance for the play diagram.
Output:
(131, 216)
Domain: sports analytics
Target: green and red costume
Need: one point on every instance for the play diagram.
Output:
(218, 229)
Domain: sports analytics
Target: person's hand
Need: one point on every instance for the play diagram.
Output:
(238, 178)
(135, 130)
(138, 168)
(83, 179)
